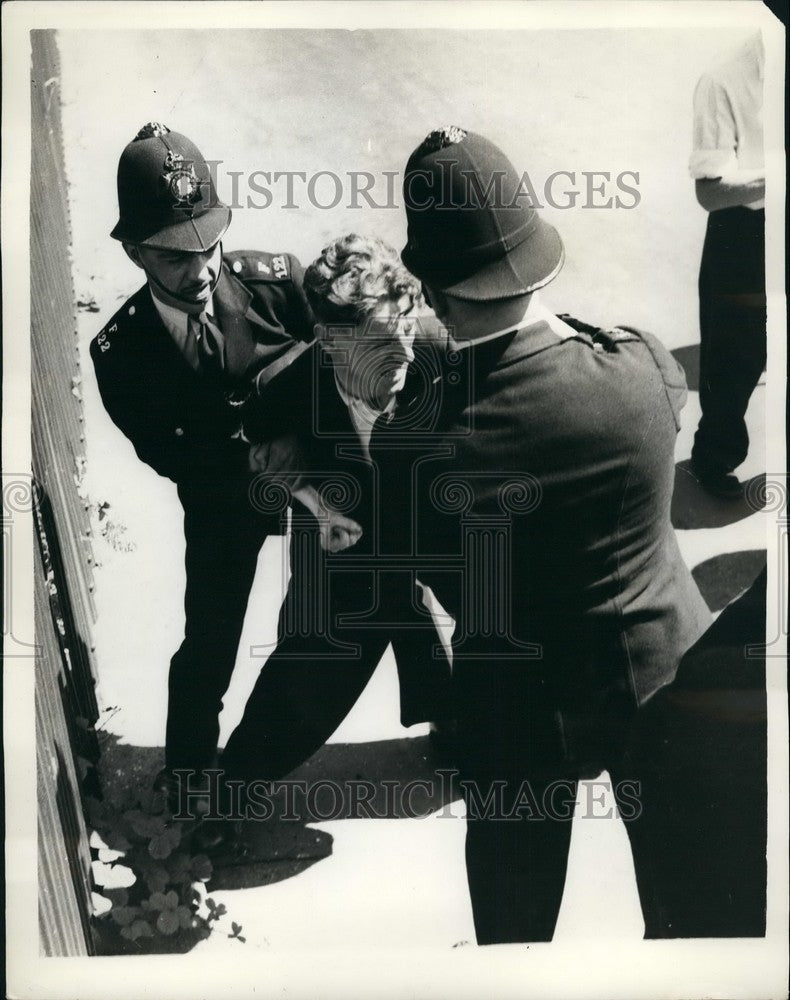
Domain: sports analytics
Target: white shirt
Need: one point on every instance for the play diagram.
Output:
(728, 121)
(176, 323)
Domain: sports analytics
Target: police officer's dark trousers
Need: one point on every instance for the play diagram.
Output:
(732, 334)
(688, 771)
(224, 534)
(520, 760)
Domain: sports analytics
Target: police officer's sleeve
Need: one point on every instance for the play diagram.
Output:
(301, 318)
(715, 139)
(177, 456)
(283, 405)
(672, 373)
(276, 282)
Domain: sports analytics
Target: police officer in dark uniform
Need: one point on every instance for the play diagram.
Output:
(174, 366)
(576, 606)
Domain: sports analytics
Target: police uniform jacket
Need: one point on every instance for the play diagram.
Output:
(183, 423)
(562, 463)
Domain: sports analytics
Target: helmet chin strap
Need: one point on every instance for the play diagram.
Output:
(177, 301)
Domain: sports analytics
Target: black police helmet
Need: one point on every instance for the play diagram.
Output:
(471, 231)
(166, 194)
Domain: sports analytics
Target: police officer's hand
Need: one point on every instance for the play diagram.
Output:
(282, 456)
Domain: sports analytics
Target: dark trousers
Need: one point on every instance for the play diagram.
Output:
(700, 747)
(224, 535)
(522, 758)
(696, 756)
(334, 628)
(732, 334)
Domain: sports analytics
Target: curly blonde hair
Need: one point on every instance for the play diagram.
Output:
(352, 276)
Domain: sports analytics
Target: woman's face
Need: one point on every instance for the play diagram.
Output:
(376, 354)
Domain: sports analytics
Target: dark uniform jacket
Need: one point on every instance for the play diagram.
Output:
(182, 423)
(556, 501)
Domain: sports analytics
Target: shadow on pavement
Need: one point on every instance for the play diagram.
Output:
(260, 873)
(688, 358)
(387, 779)
(693, 507)
(725, 577)
(399, 775)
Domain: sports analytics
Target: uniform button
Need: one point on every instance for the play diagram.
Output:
(132, 310)
(179, 432)
(237, 266)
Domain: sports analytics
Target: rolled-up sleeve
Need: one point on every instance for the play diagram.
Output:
(715, 140)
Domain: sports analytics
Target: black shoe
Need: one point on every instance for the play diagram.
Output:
(718, 483)
(171, 786)
(233, 843)
(215, 837)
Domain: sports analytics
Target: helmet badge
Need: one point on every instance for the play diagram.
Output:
(182, 181)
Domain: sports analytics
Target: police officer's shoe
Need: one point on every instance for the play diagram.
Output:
(229, 843)
(216, 838)
(182, 792)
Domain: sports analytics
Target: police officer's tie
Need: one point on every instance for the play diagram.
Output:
(210, 344)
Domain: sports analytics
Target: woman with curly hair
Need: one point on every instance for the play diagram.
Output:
(370, 312)
(349, 600)
(365, 301)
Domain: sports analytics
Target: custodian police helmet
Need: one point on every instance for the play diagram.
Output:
(166, 194)
(470, 234)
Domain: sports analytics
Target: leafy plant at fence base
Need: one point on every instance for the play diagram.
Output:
(164, 908)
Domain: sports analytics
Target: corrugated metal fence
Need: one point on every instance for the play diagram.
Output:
(66, 706)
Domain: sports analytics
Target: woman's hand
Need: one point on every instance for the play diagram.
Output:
(337, 532)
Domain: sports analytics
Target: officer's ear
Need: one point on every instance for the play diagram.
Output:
(133, 254)
(436, 300)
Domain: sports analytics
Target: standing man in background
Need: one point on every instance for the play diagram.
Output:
(728, 168)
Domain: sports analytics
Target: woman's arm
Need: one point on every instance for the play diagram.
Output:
(284, 460)
(337, 531)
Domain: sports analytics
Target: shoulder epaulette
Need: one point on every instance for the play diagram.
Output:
(579, 325)
(257, 265)
(622, 333)
(614, 333)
